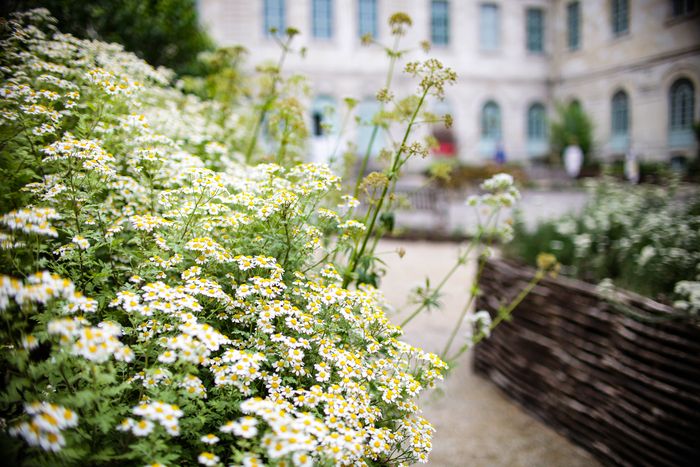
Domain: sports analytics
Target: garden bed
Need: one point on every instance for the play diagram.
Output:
(627, 389)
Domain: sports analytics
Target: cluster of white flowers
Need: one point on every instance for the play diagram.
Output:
(477, 324)
(46, 425)
(643, 238)
(211, 309)
(32, 220)
(166, 415)
(501, 192)
(42, 287)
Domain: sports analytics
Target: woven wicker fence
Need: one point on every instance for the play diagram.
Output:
(625, 388)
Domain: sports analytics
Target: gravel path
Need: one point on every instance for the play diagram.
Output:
(476, 425)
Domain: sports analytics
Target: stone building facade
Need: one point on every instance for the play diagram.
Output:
(634, 66)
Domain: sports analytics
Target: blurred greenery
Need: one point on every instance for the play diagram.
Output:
(455, 175)
(572, 125)
(162, 32)
(644, 238)
(221, 77)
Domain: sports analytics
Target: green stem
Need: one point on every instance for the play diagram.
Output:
(389, 77)
(392, 174)
(460, 261)
(268, 102)
(343, 126)
(474, 290)
(504, 313)
(191, 216)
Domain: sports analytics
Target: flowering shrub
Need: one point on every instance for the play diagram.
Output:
(646, 239)
(163, 301)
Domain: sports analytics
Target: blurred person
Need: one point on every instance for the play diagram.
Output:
(631, 167)
(573, 159)
(500, 155)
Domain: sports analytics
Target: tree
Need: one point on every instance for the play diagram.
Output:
(572, 126)
(162, 32)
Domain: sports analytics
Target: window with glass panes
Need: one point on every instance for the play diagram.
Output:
(274, 16)
(620, 114)
(535, 30)
(489, 28)
(367, 17)
(620, 16)
(439, 22)
(491, 121)
(322, 19)
(573, 25)
(536, 123)
(682, 104)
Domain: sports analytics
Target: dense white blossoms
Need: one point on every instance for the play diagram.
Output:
(46, 425)
(32, 221)
(181, 307)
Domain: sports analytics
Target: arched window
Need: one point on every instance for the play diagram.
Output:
(323, 116)
(537, 144)
(536, 123)
(620, 119)
(490, 129)
(681, 112)
(366, 111)
(491, 122)
(619, 122)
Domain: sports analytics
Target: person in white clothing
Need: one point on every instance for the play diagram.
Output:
(573, 160)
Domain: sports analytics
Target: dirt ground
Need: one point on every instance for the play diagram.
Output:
(476, 424)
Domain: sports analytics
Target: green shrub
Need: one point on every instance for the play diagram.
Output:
(644, 238)
(572, 125)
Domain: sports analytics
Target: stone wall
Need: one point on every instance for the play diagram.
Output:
(625, 388)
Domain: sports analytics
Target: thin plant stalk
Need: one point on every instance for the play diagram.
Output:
(504, 313)
(375, 130)
(357, 254)
(268, 102)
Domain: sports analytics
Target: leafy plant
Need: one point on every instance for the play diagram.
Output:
(645, 239)
(169, 295)
(572, 126)
(162, 32)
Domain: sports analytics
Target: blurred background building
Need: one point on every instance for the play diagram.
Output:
(633, 65)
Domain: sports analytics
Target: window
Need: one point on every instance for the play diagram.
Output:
(573, 22)
(366, 111)
(491, 122)
(682, 112)
(536, 123)
(537, 144)
(274, 17)
(367, 17)
(620, 114)
(619, 122)
(620, 16)
(683, 7)
(489, 29)
(322, 19)
(535, 30)
(439, 22)
(490, 141)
